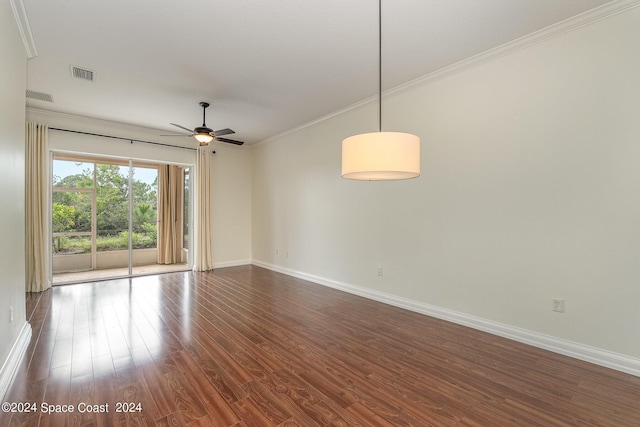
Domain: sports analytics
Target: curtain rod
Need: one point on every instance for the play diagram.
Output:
(131, 140)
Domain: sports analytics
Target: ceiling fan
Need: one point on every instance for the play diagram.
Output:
(205, 135)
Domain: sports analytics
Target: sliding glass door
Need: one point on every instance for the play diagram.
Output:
(105, 219)
(73, 216)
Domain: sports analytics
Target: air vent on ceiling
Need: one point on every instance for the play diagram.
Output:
(83, 73)
(40, 96)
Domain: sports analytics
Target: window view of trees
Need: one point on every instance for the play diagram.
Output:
(72, 207)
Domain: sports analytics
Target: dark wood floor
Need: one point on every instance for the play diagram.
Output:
(244, 346)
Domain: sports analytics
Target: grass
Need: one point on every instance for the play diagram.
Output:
(64, 245)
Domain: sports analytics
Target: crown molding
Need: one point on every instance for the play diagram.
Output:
(555, 30)
(316, 121)
(20, 15)
(570, 24)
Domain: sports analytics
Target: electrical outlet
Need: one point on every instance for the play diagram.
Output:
(10, 314)
(379, 271)
(557, 305)
(277, 252)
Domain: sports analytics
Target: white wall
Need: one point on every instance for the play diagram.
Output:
(13, 77)
(231, 205)
(530, 190)
(231, 198)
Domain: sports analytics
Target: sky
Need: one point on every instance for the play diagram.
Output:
(64, 168)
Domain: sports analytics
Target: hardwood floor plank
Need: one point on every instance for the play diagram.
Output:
(331, 387)
(206, 337)
(244, 346)
(132, 388)
(230, 390)
(81, 391)
(33, 392)
(217, 409)
(298, 397)
(330, 413)
(232, 347)
(172, 420)
(187, 401)
(56, 397)
(106, 392)
(366, 417)
(268, 404)
(251, 414)
(162, 395)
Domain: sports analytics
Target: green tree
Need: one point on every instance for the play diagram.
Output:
(72, 209)
(71, 212)
(143, 214)
(144, 193)
(112, 200)
(83, 180)
(64, 218)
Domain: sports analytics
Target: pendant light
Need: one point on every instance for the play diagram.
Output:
(381, 156)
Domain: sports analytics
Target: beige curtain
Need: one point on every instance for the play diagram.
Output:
(203, 242)
(170, 212)
(37, 207)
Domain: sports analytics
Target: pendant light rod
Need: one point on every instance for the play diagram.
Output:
(381, 156)
(379, 65)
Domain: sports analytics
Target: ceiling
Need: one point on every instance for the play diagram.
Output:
(265, 66)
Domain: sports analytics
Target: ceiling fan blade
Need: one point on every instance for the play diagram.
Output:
(230, 141)
(182, 127)
(221, 132)
(176, 134)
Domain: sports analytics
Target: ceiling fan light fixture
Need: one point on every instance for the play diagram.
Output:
(203, 138)
(203, 135)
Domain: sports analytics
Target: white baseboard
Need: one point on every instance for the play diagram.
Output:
(10, 366)
(579, 351)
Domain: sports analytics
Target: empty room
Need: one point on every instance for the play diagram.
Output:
(303, 213)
